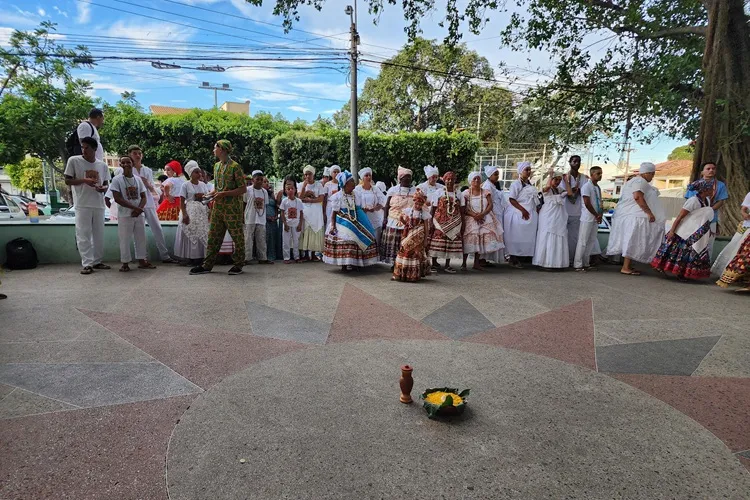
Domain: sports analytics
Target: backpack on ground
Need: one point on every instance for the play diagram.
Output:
(73, 143)
(20, 254)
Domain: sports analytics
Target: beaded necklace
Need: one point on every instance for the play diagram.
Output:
(258, 212)
(481, 200)
(450, 202)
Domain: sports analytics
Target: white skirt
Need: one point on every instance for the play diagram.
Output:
(519, 235)
(726, 255)
(635, 238)
(551, 251)
(186, 249)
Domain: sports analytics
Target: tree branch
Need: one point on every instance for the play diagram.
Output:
(605, 4)
(665, 33)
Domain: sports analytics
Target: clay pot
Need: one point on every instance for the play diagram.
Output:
(406, 383)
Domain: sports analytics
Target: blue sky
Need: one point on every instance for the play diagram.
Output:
(311, 79)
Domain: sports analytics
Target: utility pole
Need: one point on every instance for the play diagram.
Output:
(354, 126)
(479, 119)
(208, 86)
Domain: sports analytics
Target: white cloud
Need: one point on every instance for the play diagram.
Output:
(329, 111)
(150, 35)
(61, 12)
(324, 89)
(254, 75)
(41, 12)
(84, 12)
(298, 109)
(178, 100)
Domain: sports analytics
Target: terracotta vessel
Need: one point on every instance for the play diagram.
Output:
(406, 383)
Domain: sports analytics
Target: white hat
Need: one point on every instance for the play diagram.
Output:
(489, 170)
(365, 171)
(473, 175)
(191, 166)
(523, 165)
(257, 172)
(430, 170)
(326, 172)
(647, 167)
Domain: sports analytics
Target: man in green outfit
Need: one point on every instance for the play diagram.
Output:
(228, 213)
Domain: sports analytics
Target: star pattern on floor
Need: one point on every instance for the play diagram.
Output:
(134, 402)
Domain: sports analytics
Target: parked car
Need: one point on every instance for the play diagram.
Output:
(23, 202)
(68, 215)
(606, 225)
(9, 209)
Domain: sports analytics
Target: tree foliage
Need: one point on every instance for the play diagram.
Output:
(41, 101)
(381, 152)
(685, 152)
(27, 175)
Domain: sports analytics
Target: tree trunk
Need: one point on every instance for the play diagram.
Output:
(724, 135)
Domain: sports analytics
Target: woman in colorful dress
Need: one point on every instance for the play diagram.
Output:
(192, 231)
(521, 218)
(373, 201)
(273, 237)
(411, 262)
(684, 252)
(737, 271)
(733, 247)
(499, 202)
(552, 250)
(447, 221)
(398, 198)
(350, 239)
(483, 234)
(170, 207)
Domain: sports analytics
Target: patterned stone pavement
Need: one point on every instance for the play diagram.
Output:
(98, 373)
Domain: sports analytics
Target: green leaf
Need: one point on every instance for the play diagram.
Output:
(464, 393)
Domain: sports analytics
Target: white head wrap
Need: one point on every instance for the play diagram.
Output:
(191, 166)
(308, 168)
(473, 175)
(647, 167)
(381, 185)
(431, 170)
(401, 172)
(257, 172)
(365, 171)
(523, 166)
(489, 170)
(332, 168)
(326, 172)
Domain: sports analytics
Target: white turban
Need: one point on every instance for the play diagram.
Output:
(647, 167)
(489, 170)
(473, 175)
(523, 166)
(326, 172)
(401, 172)
(334, 167)
(381, 185)
(191, 166)
(431, 170)
(308, 168)
(365, 171)
(257, 172)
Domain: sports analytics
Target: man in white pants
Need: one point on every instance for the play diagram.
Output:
(256, 199)
(149, 211)
(573, 182)
(129, 192)
(591, 217)
(89, 178)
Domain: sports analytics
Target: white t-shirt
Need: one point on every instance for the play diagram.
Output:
(85, 129)
(189, 190)
(292, 210)
(746, 204)
(255, 211)
(430, 191)
(575, 209)
(175, 185)
(86, 196)
(130, 188)
(147, 176)
(595, 193)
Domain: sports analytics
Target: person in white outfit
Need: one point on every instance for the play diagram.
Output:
(430, 187)
(499, 201)
(90, 128)
(130, 194)
(109, 200)
(552, 251)
(638, 223)
(149, 211)
(591, 217)
(332, 187)
(292, 220)
(521, 218)
(572, 182)
(90, 179)
(256, 199)
(373, 201)
(191, 237)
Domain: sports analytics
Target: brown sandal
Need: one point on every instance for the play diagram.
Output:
(125, 268)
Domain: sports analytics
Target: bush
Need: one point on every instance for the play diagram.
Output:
(383, 153)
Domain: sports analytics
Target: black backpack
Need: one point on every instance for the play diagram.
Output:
(20, 254)
(73, 143)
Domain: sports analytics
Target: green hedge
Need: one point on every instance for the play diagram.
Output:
(383, 153)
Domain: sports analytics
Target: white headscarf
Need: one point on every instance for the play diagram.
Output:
(431, 170)
(381, 185)
(332, 168)
(256, 172)
(489, 170)
(647, 167)
(191, 166)
(365, 171)
(523, 166)
(473, 175)
(401, 172)
(326, 172)
(308, 168)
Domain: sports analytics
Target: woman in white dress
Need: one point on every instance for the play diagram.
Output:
(498, 208)
(482, 231)
(552, 250)
(373, 201)
(638, 223)
(313, 195)
(521, 218)
(743, 232)
(332, 187)
(192, 231)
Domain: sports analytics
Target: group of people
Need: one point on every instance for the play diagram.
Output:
(412, 228)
